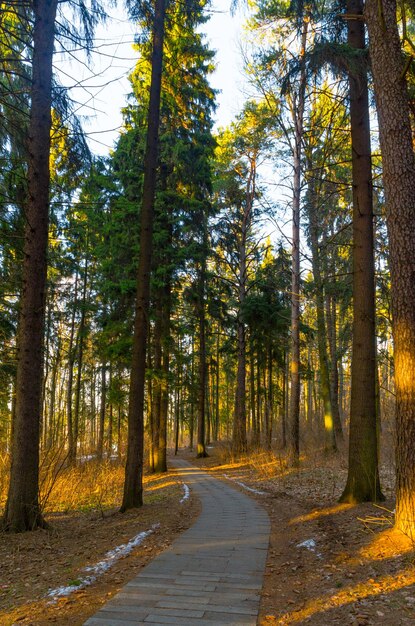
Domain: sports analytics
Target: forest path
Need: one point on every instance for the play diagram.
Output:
(212, 574)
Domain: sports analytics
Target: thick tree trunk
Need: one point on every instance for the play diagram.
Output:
(133, 485)
(399, 183)
(22, 507)
(363, 473)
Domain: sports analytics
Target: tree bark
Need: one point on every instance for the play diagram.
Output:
(363, 474)
(22, 507)
(314, 229)
(399, 184)
(298, 115)
(101, 424)
(239, 439)
(201, 409)
(133, 485)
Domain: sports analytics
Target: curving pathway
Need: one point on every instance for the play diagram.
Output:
(212, 574)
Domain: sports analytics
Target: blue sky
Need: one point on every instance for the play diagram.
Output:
(101, 87)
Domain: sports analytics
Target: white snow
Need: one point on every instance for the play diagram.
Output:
(309, 544)
(186, 493)
(101, 567)
(251, 489)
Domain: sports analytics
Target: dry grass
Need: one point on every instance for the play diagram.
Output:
(90, 486)
(82, 508)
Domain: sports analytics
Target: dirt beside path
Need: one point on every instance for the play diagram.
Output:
(327, 563)
(31, 564)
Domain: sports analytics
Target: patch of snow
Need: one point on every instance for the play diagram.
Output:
(103, 566)
(186, 493)
(86, 457)
(251, 489)
(309, 544)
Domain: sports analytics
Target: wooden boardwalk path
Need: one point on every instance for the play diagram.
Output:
(212, 574)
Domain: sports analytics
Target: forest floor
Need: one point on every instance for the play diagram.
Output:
(327, 563)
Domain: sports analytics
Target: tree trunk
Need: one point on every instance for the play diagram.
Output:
(334, 370)
(81, 333)
(239, 440)
(71, 363)
(330, 439)
(363, 473)
(284, 404)
(255, 430)
(22, 507)
(133, 485)
(101, 426)
(298, 115)
(201, 421)
(161, 465)
(399, 183)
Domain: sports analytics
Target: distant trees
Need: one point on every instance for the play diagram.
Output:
(227, 336)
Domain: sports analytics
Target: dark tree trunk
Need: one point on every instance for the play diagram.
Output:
(161, 464)
(239, 439)
(298, 115)
(52, 434)
(284, 405)
(201, 409)
(255, 429)
(156, 382)
(133, 485)
(81, 337)
(399, 183)
(314, 230)
(334, 370)
(270, 401)
(101, 425)
(69, 390)
(363, 473)
(216, 428)
(22, 507)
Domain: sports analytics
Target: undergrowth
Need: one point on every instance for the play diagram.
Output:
(88, 486)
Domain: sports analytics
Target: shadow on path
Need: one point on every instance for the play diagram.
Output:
(212, 574)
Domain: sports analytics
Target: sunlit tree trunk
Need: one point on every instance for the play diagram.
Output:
(399, 183)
